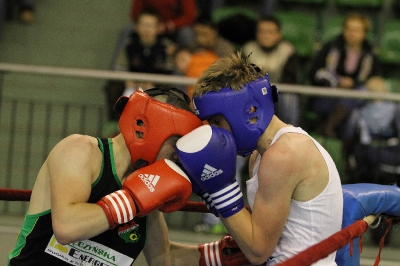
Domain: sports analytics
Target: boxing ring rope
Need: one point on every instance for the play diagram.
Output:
(15, 194)
(337, 241)
(306, 257)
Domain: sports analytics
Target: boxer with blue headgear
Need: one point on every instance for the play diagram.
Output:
(255, 101)
(294, 191)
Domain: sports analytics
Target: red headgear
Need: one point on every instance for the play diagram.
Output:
(146, 123)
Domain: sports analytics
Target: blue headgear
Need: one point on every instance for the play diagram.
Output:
(235, 105)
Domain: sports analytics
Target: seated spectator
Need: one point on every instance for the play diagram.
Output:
(344, 63)
(374, 120)
(374, 130)
(208, 38)
(373, 156)
(147, 51)
(177, 17)
(200, 60)
(279, 59)
(209, 46)
(181, 59)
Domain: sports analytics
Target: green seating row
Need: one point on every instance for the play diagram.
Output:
(301, 30)
(343, 3)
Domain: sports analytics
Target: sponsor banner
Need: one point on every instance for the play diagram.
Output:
(87, 252)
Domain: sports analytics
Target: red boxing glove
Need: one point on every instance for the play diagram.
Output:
(224, 252)
(161, 185)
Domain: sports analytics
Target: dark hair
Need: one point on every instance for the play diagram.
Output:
(171, 96)
(206, 20)
(182, 48)
(272, 19)
(150, 12)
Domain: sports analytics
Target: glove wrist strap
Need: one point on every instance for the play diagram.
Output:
(228, 200)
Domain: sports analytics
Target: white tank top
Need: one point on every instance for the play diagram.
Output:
(311, 221)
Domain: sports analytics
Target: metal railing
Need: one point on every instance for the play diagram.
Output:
(29, 128)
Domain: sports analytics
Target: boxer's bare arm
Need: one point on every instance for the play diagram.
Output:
(286, 172)
(160, 251)
(71, 167)
(258, 233)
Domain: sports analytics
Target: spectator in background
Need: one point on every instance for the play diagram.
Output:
(208, 47)
(208, 38)
(374, 131)
(147, 51)
(177, 17)
(279, 59)
(344, 63)
(181, 60)
(372, 140)
(182, 57)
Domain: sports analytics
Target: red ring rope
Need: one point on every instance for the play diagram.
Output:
(305, 258)
(15, 194)
(10, 194)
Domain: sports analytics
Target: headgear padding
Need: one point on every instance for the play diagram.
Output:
(235, 106)
(146, 123)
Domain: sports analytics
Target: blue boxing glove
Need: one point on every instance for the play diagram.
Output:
(208, 154)
(205, 197)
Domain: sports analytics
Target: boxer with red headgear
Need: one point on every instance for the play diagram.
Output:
(86, 195)
(142, 117)
(294, 192)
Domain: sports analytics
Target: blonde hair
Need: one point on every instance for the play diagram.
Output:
(357, 16)
(234, 71)
(376, 84)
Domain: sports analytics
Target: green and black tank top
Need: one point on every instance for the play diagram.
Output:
(36, 244)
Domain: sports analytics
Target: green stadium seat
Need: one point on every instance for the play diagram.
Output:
(300, 29)
(332, 27)
(390, 43)
(312, 2)
(229, 11)
(360, 3)
(393, 84)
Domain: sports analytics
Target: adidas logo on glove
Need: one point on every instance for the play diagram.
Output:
(210, 172)
(150, 180)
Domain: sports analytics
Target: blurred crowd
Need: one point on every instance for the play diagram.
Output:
(181, 37)
(184, 37)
